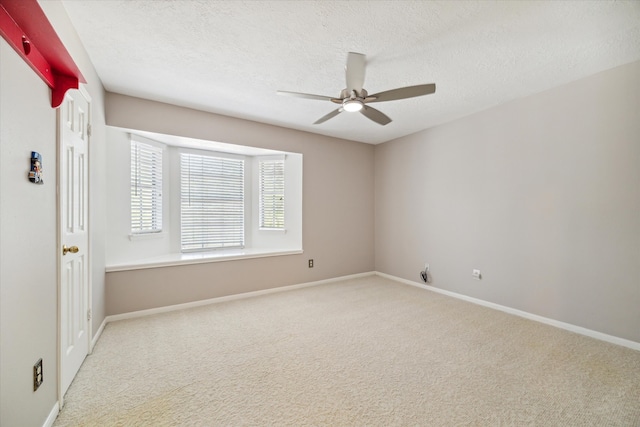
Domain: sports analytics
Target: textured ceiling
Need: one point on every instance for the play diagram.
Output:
(230, 57)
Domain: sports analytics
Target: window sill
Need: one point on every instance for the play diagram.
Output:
(274, 230)
(147, 236)
(199, 258)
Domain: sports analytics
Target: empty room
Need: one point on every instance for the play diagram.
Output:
(327, 213)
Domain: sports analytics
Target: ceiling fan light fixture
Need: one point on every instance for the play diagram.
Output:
(352, 105)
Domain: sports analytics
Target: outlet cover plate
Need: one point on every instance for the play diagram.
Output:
(37, 375)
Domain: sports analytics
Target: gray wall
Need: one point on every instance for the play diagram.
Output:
(28, 268)
(338, 210)
(542, 194)
(28, 226)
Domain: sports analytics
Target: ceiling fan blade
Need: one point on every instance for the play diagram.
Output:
(375, 115)
(402, 93)
(355, 70)
(328, 116)
(307, 96)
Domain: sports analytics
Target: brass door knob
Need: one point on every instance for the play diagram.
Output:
(72, 249)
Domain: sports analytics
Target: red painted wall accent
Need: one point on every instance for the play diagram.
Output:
(25, 27)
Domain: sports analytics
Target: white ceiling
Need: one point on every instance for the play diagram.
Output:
(230, 57)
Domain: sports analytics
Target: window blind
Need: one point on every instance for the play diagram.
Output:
(146, 188)
(211, 202)
(271, 184)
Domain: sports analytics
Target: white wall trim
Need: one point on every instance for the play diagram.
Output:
(52, 416)
(188, 258)
(96, 337)
(142, 313)
(556, 323)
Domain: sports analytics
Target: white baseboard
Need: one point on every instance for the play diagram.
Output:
(142, 313)
(556, 323)
(96, 337)
(52, 416)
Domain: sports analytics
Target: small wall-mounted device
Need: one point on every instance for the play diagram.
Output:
(35, 174)
(476, 274)
(424, 274)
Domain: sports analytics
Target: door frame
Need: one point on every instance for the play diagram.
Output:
(84, 93)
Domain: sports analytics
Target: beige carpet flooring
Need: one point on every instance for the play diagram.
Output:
(361, 352)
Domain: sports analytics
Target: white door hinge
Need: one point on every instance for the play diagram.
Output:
(89, 130)
(89, 315)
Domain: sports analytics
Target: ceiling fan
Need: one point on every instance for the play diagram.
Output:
(354, 98)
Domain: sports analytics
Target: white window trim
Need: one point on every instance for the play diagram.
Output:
(201, 258)
(148, 236)
(273, 230)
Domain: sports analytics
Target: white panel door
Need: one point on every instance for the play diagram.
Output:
(73, 122)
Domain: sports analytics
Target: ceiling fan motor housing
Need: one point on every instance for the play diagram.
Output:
(353, 101)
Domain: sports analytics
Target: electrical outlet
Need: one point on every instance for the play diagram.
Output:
(37, 375)
(310, 263)
(476, 274)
